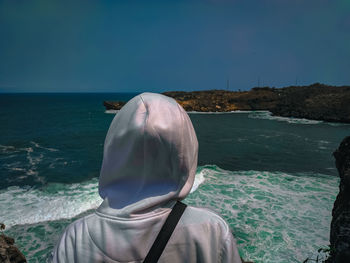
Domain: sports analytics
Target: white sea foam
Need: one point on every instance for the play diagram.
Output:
(323, 145)
(33, 155)
(198, 180)
(111, 111)
(7, 148)
(267, 115)
(37, 145)
(337, 124)
(275, 217)
(25, 205)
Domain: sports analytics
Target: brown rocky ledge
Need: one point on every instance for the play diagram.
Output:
(9, 253)
(316, 101)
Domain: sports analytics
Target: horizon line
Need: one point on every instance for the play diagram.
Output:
(138, 92)
(67, 92)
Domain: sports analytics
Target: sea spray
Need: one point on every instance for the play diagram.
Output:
(275, 217)
(53, 201)
(267, 115)
(48, 211)
(30, 205)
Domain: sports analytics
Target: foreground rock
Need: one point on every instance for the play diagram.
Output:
(340, 226)
(317, 101)
(9, 253)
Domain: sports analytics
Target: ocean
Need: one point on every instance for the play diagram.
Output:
(273, 179)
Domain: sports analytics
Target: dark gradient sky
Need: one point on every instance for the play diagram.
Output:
(118, 46)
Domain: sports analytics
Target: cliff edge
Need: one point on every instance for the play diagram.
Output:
(340, 226)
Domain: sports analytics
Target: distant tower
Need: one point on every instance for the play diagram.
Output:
(258, 82)
(296, 81)
(228, 84)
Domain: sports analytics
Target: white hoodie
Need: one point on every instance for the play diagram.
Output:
(149, 162)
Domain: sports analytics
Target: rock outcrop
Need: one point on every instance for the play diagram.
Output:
(340, 226)
(113, 105)
(9, 253)
(317, 101)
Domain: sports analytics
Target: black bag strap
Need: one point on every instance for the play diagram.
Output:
(165, 233)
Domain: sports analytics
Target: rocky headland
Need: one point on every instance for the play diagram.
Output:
(316, 101)
(340, 226)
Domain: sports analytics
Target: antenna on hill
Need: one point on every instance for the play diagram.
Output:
(258, 82)
(228, 84)
(296, 81)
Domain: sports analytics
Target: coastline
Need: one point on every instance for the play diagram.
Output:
(316, 102)
(221, 138)
(258, 114)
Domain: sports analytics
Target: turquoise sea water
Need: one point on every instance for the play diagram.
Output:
(273, 179)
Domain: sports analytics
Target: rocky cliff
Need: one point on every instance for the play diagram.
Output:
(9, 253)
(340, 226)
(317, 101)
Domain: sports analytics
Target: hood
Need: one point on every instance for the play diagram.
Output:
(150, 155)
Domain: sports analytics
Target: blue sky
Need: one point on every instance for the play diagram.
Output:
(120, 46)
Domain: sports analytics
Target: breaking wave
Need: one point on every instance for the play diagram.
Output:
(266, 115)
(273, 215)
(28, 205)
